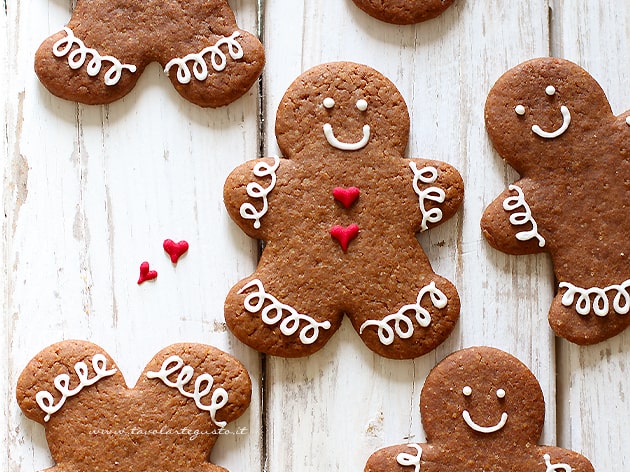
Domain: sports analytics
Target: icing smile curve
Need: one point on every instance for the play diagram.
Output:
(566, 120)
(485, 429)
(334, 142)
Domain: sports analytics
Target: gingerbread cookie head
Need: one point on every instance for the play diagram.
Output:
(551, 121)
(100, 54)
(339, 215)
(403, 12)
(170, 420)
(482, 409)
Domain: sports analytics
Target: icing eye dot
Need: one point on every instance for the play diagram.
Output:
(467, 391)
(550, 90)
(362, 105)
(519, 109)
(329, 102)
(628, 120)
(501, 393)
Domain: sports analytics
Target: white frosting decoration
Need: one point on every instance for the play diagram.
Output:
(362, 105)
(219, 396)
(427, 175)
(255, 190)
(500, 393)
(218, 59)
(334, 142)
(566, 120)
(467, 391)
(600, 304)
(524, 217)
(519, 110)
(78, 56)
(550, 90)
(406, 459)
(555, 467)
(423, 317)
(628, 120)
(329, 102)
(46, 401)
(485, 429)
(255, 301)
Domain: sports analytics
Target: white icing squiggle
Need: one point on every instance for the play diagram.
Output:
(434, 194)
(219, 396)
(555, 467)
(522, 217)
(218, 59)
(78, 56)
(255, 190)
(600, 304)
(406, 459)
(485, 429)
(255, 301)
(423, 317)
(566, 121)
(46, 401)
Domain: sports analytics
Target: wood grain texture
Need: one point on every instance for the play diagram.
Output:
(91, 192)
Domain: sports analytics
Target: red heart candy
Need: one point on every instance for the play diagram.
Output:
(175, 250)
(347, 196)
(146, 274)
(344, 234)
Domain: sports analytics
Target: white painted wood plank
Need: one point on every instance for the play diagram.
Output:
(595, 380)
(331, 410)
(90, 193)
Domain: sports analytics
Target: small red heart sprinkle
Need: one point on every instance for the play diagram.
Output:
(344, 234)
(175, 250)
(347, 196)
(146, 274)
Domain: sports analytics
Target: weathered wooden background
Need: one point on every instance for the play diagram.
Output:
(91, 192)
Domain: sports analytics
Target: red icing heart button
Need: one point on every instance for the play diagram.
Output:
(347, 196)
(344, 234)
(146, 274)
(175, 250)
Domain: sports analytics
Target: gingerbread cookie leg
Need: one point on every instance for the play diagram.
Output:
(277, 321)
(217, 69)
(410, 322)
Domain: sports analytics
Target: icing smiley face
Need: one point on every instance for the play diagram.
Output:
(467, 391)
(550, 90)
(361, 105)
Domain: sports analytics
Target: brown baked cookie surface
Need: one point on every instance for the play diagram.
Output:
(339, 214)
(169, 421)
(403, 12)
(482, 410)
(99, 56)
(550, 120)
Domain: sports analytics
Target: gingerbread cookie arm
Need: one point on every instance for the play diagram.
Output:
(509, 223)
(556, 459)
(59, 374)
(438, 188)
(247, 193)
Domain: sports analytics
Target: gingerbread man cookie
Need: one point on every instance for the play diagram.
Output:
(403, 12)
(339, 215)
(482, 410)
(551, 121)
(169, 421)
(99, 56)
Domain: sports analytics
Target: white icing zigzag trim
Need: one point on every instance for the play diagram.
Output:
(422, 315)
(522, 217)
(434, 194)
(406, 459)
(289, 325)
(600, 304)
(218, 59)
(78, 56)
(46, 401)
(255, 190)
(555, 467)
(219, 396)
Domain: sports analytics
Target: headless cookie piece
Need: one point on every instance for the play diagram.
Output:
(99, 56)
(169, 421)
(339, 214)
(403, 12)
(551, 121)
(482, 410)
